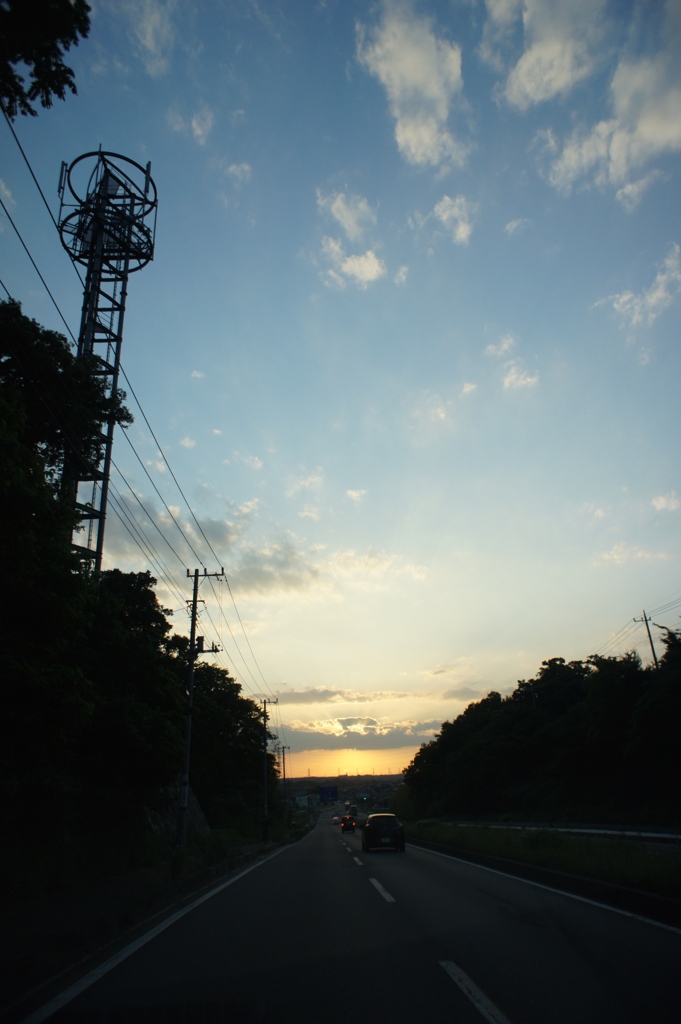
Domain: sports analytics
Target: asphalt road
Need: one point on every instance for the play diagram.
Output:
(322, 931)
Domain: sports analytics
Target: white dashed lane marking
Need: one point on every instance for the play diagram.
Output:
(488, 1010)
(386, 895)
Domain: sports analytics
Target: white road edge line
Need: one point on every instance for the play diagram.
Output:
(69, 994)
(480, 1001)
(386, 895)
(559, 892)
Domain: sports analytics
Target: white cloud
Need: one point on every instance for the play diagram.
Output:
(516, 378)
(353, 213)
(199, 125)
(645, 100)
(637, 310)
(506, 343)
(515, 226)
(360, 269)
(364, 268)
(401, 275)
(623, 553)
(666, 502)
(501, 17)
(562, 43)
(469, 388)
(202, 124)
(432, 411)
(198, 374)
(152, 31)
(247, 507)
(274, 568)
(239, 174)
(360, 733)
(310, 512)
(282, 566)
(456, 214)
(421, 75)
(252, 461)
(312, 482)
(187, 442)
(5, 193)
(356, 495)
(371, 570)
(463, 693)
(324, 695)
(630, 195)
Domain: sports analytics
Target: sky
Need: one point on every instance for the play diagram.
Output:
(409, 345)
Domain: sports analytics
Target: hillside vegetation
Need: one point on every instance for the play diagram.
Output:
(94, 680)
(594, 740)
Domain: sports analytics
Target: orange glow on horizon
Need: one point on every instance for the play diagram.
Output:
(327, 763)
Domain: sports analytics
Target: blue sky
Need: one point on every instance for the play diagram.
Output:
(409, 343)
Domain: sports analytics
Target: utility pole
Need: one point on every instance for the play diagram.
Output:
(646, 619)
(195, 648)
(266, 812)
(283, 765)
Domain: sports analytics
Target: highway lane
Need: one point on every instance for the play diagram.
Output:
(308, 935)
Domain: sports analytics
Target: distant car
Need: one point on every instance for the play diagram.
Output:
(335, 819)
(383, 831)
(348, 823)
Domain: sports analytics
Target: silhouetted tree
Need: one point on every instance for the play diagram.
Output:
(227, 749)
(35, 34)
(593, 740)
(133, 741)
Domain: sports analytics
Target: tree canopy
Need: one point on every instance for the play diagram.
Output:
(94, 681)
(34, 34)
(60, 401)
(583, 740)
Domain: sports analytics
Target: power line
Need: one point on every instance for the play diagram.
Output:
(148, 514)
(144, 416)
(129, 523)
(181, 531)
(144, 544)
(160, 450)
(35, 265)
(26, 160)
(201, 531)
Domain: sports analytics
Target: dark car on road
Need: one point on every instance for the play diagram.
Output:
(383, 831)
(348, 823)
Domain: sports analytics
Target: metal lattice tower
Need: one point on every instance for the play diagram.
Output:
(103, 227)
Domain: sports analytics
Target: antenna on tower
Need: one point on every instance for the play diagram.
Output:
(107, 222)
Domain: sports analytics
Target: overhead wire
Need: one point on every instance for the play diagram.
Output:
(165, 505)
(634, 627)
(129, 523)
(119, 502)
(28, 164)
(200, 529)
(144, 544)
(35, 266)
(147, 512)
